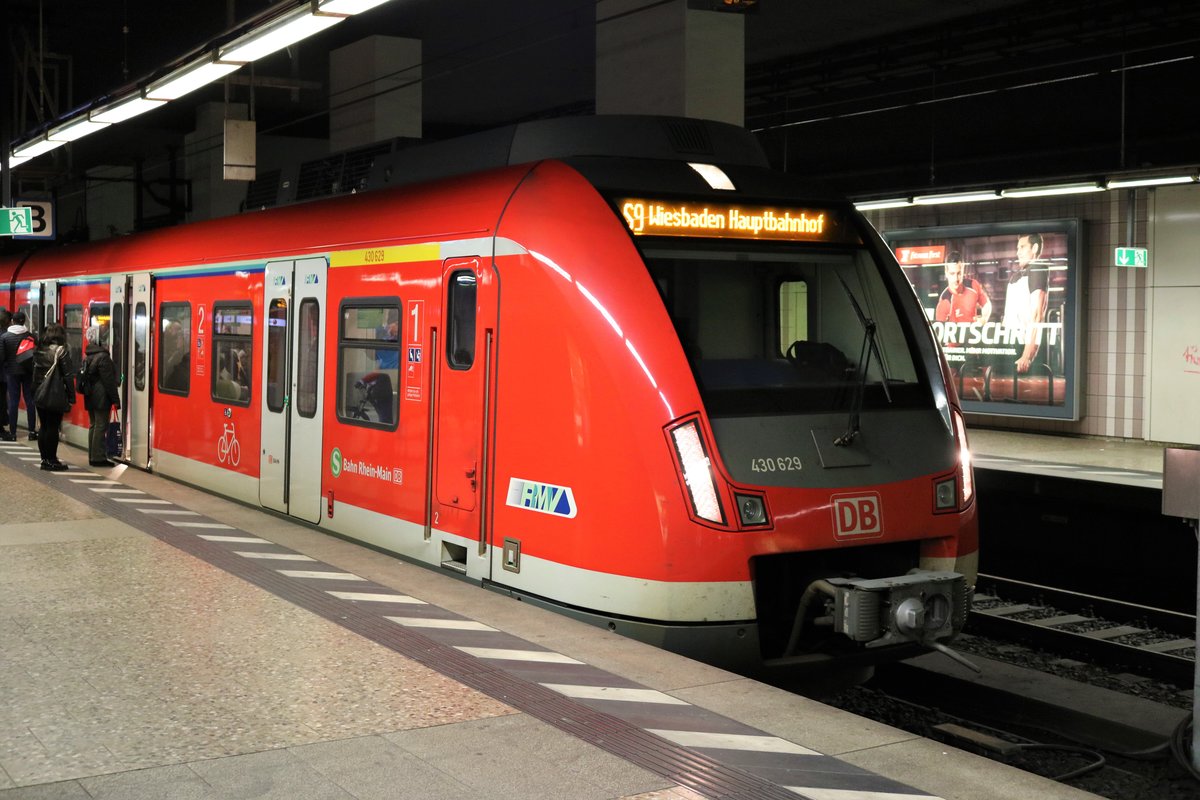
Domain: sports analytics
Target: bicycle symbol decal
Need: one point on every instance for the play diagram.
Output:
(228, 448)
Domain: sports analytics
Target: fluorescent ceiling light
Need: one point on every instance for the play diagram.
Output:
(75, 129)
(714, 176)
(35, 148)
(15, 160)
(124, 109)
(1046, 191)
(260, 44)
(1161, 180)
(876, 205)
(188, 79)
(955, 197)
(349, 6)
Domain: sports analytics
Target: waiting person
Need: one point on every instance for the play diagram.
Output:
(5, 321)
(16, 362)
(100, 394)
(52, 362)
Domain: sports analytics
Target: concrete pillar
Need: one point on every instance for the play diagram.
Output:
(204, 161)
(670, 59)
(374, 92)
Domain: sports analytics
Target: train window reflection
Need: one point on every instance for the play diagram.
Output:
(369, 362)
(779, 331)
(460, 332)
(306, 363)
(233, 328)
(118, 341)
(73, 322)
(174, 348)
(140, 330)
(277, 339)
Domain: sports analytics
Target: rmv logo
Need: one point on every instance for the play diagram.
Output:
(857, 515)
(544, 497)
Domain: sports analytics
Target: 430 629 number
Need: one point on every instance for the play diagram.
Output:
(777, 464)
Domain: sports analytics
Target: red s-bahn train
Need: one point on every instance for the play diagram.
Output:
(613, 365)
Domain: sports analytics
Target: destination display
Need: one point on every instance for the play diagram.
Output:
(653, 217)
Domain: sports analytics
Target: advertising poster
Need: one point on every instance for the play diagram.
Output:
(1003, 303)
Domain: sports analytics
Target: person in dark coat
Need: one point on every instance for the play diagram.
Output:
(18, 374)
(102, 393)
(52, 353)
(5, 321)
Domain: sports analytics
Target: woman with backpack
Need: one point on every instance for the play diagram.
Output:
(98, 385)
(53, 391)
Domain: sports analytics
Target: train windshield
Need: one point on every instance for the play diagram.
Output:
(786, 331)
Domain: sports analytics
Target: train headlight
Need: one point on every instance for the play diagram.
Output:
(751, 510)
(966, 472)
(697, 472)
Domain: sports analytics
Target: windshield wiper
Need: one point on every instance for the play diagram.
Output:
(869, 346)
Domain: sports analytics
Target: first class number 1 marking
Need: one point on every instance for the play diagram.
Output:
(780, 464)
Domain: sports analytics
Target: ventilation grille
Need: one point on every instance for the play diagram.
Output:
(338, 174)
(689, 137)
(263, 191)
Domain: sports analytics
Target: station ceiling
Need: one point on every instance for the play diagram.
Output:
(873, 95)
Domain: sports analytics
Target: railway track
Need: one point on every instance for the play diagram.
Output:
(1148, 641)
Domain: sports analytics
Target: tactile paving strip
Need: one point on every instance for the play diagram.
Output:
(698, 749)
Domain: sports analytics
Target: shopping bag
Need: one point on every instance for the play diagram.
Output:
(112, 438)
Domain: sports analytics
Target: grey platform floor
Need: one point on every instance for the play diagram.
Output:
(1123, 461)
(131, 669)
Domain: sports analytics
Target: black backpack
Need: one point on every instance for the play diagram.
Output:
(25, 352)
(83, 381)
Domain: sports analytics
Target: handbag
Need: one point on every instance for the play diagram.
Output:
(112, 436)
(52, 394)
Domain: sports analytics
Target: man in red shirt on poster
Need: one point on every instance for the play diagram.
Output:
(964, 299)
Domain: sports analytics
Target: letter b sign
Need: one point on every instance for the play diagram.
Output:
(857, 515)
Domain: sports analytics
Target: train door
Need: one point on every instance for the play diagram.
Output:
(464, 407)
(118, 335)
(292, 345)
(43, 305)
(140, 364)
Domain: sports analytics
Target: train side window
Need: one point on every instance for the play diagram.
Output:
(34, 319)
(369, 362)
(793, 314)
(232, 349)
(73, 322)
(306, 362)
(277, 342)
(118, 341)
(174, 348)
(141, 322)
(460, 330)
(49, 315)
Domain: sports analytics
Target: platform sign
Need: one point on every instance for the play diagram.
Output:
(1132, 257)
(16, 221)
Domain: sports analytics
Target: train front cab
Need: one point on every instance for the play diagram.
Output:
(689, 391)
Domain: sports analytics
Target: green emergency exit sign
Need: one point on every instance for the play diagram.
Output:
(1133, 257)
(16, 221)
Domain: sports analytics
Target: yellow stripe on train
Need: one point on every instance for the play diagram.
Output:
(386, 255)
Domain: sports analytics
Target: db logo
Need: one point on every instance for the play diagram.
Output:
(857, 515)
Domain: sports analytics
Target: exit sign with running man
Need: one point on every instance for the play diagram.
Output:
(1133, 257)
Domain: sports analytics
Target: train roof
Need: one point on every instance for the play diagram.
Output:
(614, 153)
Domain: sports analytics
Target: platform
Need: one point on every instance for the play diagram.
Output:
(157, 641)
(1121, 461)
